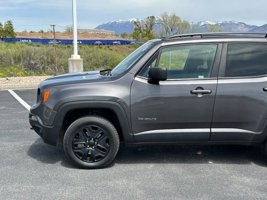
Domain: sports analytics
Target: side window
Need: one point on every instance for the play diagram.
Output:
(184, 61)
(246, 59)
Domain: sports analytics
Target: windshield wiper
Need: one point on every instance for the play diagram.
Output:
(106, 72)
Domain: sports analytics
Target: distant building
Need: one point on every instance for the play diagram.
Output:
(96, 31)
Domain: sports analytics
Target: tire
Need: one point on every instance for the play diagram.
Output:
(91, 142)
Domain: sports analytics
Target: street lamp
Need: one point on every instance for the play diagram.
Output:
(74, 21)
(75, 62)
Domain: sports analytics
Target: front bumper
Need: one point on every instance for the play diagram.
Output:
(48, 133)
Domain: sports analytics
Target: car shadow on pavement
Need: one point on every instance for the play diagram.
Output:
(191, 154)
(176, 154)
(48, 154)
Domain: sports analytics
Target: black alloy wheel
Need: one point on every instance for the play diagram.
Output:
(91, 142)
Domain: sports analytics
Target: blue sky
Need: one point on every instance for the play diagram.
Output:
(38, 14)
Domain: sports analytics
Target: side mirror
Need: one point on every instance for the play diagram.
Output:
(156, 74)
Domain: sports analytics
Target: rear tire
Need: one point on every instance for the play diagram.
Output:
(91, 142)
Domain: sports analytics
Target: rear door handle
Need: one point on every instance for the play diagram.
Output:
(265, 89)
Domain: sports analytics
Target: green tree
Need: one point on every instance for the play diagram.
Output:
(143, 29)
(9, 29)
(1, 31)
(138, 30)
(172, 24)
(149, 25)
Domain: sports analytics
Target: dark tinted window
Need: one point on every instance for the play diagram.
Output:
(246, 60)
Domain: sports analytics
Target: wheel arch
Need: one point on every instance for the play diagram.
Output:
(112, 111)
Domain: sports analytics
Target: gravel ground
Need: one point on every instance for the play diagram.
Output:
(21, 82)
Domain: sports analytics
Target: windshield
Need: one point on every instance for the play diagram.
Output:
(130, 60)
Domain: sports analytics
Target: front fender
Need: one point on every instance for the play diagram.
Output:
(113, 106)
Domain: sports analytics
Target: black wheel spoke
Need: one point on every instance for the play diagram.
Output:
(101, 148)
(90, 155)
(85, 154)
(98, 155)
(95, 132)
(81, 153)
(82, 135)
(104, 142)
(78, 144)
(101, 137)
(98, 134)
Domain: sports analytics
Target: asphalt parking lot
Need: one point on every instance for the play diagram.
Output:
(30, 169)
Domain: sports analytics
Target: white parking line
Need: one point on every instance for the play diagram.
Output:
(22, 102)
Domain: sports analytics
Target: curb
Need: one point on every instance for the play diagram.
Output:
(14, 83)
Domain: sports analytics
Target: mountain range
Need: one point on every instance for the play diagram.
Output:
(127, 26)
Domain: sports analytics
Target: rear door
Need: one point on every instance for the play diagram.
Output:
(240, 110)
(179, 109)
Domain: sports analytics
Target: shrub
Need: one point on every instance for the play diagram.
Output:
(36, 59)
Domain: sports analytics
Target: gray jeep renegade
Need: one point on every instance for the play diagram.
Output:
(196, 88)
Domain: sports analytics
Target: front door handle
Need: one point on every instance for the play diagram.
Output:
(265, 89)
(199, 91)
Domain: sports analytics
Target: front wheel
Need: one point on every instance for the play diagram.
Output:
(91, 142)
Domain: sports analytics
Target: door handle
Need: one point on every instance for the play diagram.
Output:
(265, 89)
(200, 91)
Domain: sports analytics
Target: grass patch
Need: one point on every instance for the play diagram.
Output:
(26, 59)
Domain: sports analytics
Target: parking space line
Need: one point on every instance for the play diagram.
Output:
(20, 100)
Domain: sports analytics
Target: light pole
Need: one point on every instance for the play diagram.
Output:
(54, 32)
(75, 62)
(75, 34)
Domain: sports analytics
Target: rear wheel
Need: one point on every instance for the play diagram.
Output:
(91, 142)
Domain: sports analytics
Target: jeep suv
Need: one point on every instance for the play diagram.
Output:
(197, 88)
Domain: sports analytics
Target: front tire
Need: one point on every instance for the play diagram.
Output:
(91, 142)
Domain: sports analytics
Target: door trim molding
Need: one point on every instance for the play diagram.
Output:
(162, 131)
(233, 130)
(199, 130)
(180, 81)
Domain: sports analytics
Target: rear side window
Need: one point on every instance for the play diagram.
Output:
(246, 59)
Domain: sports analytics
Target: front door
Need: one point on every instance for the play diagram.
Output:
(180, 108)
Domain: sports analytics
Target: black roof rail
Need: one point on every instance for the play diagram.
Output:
(218, 34)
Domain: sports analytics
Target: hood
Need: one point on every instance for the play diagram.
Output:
(72, 78)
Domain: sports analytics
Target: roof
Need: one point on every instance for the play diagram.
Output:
(221, 35)
(215, 37)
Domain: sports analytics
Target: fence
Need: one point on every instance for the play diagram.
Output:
(64, 41)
